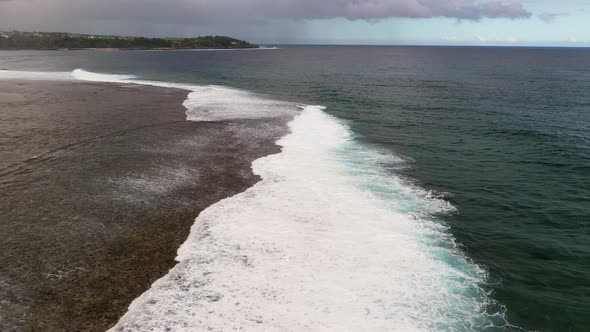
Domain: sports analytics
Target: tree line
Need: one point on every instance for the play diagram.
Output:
(52, 41)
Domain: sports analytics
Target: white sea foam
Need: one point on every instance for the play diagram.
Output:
(34, 75)
(207, 102)
(83, 75)
(314, 247)
(204, 103)
(327, 240)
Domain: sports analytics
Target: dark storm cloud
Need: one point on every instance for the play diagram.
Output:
(275, 21)
(381, 9)
(197, 11)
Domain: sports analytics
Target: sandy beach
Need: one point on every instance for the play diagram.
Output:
(99, 186)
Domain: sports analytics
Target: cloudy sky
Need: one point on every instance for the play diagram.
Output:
(472, 22)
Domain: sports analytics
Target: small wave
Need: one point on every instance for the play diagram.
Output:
(208, 102)
(35, 75)
(83, 75)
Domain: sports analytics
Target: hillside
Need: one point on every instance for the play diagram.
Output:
(18, 40)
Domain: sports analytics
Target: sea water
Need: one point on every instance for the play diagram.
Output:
(467, 168)
(326, 240)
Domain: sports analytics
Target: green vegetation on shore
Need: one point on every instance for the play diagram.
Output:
(18, 40)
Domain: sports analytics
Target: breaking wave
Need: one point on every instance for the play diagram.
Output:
(328, 239)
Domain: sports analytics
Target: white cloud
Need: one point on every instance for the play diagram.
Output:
(451, 39)
(551, 17)
(509, 39)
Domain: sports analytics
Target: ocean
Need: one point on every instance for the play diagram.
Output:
(436, 188)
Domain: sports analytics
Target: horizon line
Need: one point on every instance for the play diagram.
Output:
(434, 45)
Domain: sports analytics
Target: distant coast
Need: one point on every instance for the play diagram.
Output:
(20, 40)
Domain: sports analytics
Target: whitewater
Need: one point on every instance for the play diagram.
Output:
(329, 238)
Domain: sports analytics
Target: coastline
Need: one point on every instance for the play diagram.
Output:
(261, 48)
(110, 49)
(104, 192)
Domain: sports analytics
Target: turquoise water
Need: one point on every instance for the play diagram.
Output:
(499, 133)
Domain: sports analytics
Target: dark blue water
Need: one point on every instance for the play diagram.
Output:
(503, 132)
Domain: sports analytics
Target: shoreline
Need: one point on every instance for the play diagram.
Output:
(109, 49)
(119, 179)
(145, 50)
